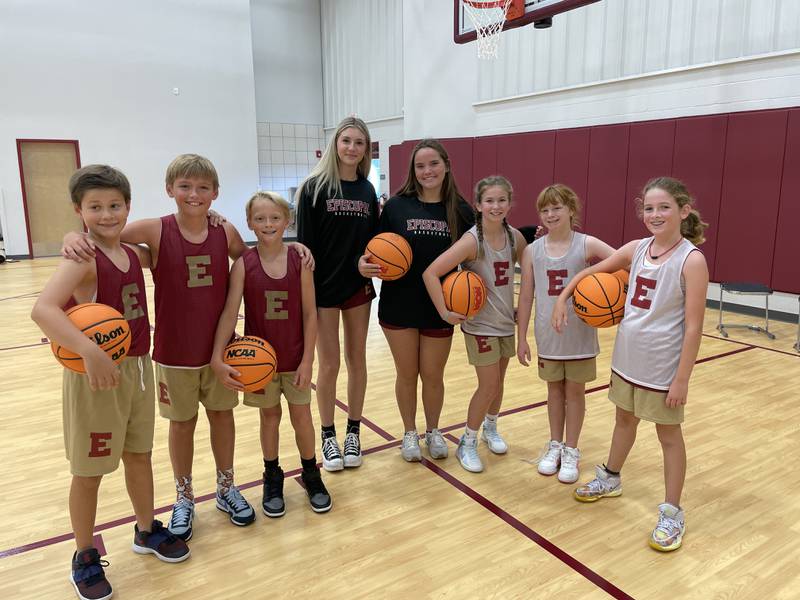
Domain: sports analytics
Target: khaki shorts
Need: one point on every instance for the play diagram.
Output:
(485, 350)
(643, 403)
(270, 396)
(580, 371)
(181, 391)
(99, 426)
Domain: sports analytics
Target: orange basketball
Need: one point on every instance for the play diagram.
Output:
(255, 360)
(622, 275)
(392, 253)
(600, 300)
(464, 292)
(101, 324)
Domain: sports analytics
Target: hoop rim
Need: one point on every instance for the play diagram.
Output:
(482, 4)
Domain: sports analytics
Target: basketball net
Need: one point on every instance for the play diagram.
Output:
(488, 18)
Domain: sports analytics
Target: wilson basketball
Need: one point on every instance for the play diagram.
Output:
(464, 293)
(622, 275)
(600, 300)
(101, 324)
(392, 253)
(255, 360)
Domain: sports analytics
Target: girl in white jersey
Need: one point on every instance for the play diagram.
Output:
(490, 249)
(656, 345)
(566, 362)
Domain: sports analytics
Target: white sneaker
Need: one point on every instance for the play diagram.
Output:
(568, 473)
(331, 454)
(604, 485)
(467, 454)
(437, 447)
(551, 458)
(493, 439)
(668, 534)
(410, 449)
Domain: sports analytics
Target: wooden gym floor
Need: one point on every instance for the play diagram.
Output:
(432, 530)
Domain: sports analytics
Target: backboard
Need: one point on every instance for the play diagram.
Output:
(535, 10)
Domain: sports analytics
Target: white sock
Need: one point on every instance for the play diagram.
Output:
(470, 434)
(492, 418)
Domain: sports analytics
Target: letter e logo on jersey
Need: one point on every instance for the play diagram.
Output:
(163, 393)
(500, 270)
(131, 302)
(198, 272)
(555, 278)
(643, 287)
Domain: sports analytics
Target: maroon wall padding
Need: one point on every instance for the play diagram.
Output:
(527, 160)
(650, 152)
(607, 183)
(572, 162)
(786, 262)
(698, 162)
(484, 158)
(460, 152)
(399, 157)
(751, 187)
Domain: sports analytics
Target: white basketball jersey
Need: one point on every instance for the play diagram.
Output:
(649, 339)
(496, 268)
(551, 274)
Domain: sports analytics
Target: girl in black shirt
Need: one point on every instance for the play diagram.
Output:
(337, 214)
(429, 213)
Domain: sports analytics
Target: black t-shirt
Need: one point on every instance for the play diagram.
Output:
(405, 302)
(337, 231)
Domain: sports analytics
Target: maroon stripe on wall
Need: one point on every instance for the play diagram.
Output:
(484, 157)
(460, 152)
(698, 162)
(572, 163)
(785, 269)
(527, 160)
(606, 188)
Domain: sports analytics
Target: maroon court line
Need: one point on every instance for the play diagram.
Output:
(537, 538)
(393, 442)
(723, 339)
(28, 295)
(25, 346)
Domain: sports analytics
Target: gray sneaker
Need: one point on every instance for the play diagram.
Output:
(410, 449)
(604, 485)
(180, 523)
(437, 447)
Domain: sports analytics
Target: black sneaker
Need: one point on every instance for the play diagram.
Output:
(159, 541)
(272, 500)
(331, 454)
(318, 495)
(88, 577)
(352, 450)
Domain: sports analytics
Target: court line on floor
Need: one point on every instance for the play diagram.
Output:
(724, 339)
(532, 535)
(391, 442)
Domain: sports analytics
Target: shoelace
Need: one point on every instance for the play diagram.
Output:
(436, 438)
(570, 457)
(234, 498)
(352, 446)
(667, 524)
(411, 439)
(597, 485)
(161, 534)
(551, 452)
(181, 513)
(330, 448)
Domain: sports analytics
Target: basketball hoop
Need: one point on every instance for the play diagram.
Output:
(488, 18)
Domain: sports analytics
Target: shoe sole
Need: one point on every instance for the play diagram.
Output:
(233, 517)
(675, 545)
(577, 476)
(322, 510)
(415, 458)
(273, 515)
(470, 469)
(143, 550)
(82, 597)
(613, 494)
(492, 450)
(438, 456)
(333, 466)
(351, 462)
(547, 474)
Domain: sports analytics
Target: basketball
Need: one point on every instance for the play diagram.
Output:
(101, 324)
(464, 293)
(392, 253)
(255, 360)
(622, 275)
(600, 300)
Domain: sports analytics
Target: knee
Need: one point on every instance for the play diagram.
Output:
(271, 416)
(184, 426)
(136, 459)
(670, 436)
(300, 415)
(220, 417)
(87, 483)
(329, 366)
(432, 377)
(626, 420)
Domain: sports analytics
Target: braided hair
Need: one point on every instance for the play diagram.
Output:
(480, 188)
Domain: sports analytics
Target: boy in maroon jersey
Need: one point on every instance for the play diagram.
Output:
(109, 411)
(279, 307)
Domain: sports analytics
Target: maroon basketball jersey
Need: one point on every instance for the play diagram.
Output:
(273, 308)
(191, 285)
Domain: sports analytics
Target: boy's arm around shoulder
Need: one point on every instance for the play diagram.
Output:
(52, 320)
(302, 377)
(236, 245)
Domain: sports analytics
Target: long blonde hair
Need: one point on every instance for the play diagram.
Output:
(325, 175)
